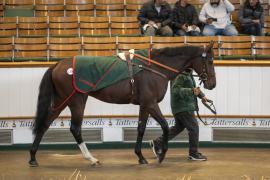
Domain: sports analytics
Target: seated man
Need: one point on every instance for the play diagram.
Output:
(155, 18)
(185, 19)
(216, 16)
(251, 17)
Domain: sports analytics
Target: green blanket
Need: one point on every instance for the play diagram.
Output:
(94, 73)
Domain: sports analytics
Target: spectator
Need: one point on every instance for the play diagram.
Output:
(251, 17)
(216, 16)
(185, 19)
(155, 17)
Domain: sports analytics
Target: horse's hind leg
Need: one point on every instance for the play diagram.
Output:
(77, 110)
(143, 116)
(52, 116)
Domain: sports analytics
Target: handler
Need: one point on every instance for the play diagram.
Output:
(184, 95)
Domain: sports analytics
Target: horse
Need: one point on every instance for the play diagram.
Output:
(149, 88)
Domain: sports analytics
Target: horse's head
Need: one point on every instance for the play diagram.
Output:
(204, 66)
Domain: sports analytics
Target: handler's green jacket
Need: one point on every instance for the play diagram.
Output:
(182, 97)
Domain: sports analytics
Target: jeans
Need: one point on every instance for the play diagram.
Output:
(210, 30)
(163, 31)
(185, 120)
(252, 29)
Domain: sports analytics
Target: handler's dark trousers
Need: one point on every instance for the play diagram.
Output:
(185, 120)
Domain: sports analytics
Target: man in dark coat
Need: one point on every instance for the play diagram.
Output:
(185, 19)
(251, 17)
(155, 17)
(184, 95)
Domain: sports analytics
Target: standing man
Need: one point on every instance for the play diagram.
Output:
(184, 95)
(216, 14)
(155, 17)
(185, 19)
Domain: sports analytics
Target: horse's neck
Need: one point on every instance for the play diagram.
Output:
(178, 64)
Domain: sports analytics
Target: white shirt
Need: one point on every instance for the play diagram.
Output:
(158, 8)
(222, 12)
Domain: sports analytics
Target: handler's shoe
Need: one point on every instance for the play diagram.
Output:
(155, 147)
(197, 157)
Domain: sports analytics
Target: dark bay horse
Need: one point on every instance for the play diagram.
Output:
(149, 89)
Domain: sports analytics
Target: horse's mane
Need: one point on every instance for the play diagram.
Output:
(179, 50)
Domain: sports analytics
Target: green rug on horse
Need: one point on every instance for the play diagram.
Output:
(92, 73)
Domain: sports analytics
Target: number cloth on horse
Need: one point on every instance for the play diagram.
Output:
(92, 73)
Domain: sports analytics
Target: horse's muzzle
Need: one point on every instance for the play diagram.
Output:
(209, 85)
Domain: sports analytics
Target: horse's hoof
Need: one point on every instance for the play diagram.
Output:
(33, 163)
(143, 161)
(95, 163)
(161, 157)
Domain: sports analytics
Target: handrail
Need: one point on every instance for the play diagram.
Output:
(242, 63)
(25, 64)
(216, 62)
(136, 116)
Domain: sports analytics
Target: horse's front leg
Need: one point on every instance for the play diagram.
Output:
(157, 115)
(143, 116)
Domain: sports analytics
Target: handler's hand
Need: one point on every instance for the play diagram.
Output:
(204, 99)
(196, 91)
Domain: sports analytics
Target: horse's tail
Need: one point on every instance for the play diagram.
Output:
(45, 99)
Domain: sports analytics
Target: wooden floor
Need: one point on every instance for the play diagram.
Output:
(222, 164)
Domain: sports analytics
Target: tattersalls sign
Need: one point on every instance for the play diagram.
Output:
(133, 122)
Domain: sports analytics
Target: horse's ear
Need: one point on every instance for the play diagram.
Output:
(210, 46)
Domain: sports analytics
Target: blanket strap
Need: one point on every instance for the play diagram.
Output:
(152, 70)
(130, 71)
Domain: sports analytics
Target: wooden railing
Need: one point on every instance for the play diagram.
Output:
(216, 62)
(45, 49)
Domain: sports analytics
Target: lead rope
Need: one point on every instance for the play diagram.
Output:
(197, 112)
(211, 107)
(202, 78)
(199, 117)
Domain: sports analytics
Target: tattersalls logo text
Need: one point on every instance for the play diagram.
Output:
(229, 122)
(264, 123)
(3, 124)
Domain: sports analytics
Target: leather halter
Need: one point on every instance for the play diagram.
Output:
(204, 75)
